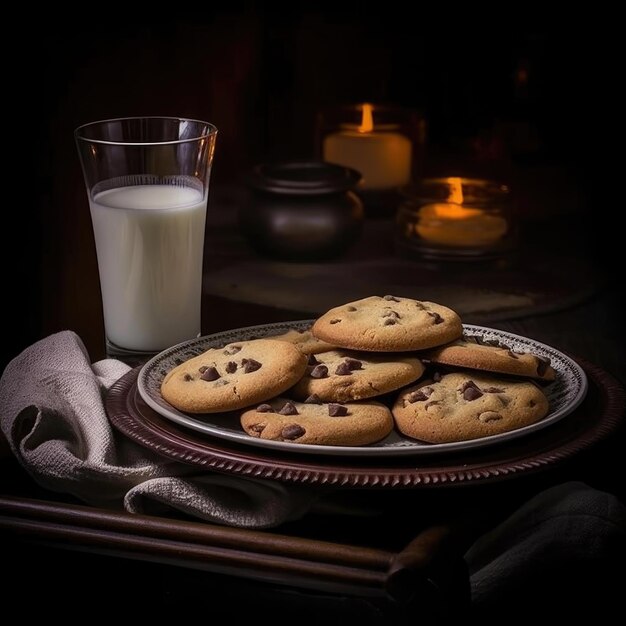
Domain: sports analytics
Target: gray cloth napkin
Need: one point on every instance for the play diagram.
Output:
(52, 414)
(560, 553)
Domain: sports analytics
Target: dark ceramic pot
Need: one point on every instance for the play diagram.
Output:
(302, 211)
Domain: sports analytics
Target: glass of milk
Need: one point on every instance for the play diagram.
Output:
(147, 183)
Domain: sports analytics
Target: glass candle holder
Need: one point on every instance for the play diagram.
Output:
(456, 218)
(383, 143)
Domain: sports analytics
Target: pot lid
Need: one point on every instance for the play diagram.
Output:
(303, 177)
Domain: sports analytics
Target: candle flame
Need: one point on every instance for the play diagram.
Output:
(453, 208)
(367, 119)
(455, 193)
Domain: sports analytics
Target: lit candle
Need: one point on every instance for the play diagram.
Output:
(383, 157)
(451, 224)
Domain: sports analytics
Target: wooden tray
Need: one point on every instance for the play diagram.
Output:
(600, 414)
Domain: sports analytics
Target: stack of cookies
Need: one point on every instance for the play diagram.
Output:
(362, 369)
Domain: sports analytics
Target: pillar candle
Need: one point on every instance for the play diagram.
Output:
(381, 155)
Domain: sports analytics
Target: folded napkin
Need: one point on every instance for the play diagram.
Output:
(52, 414)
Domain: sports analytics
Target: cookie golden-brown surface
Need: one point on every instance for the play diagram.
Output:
(235, 376)
(346, 375)
(467, 405)
(305, 340)
(466, 353)
(388, 324)
(314, 422)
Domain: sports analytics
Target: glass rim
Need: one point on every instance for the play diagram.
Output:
(211, 132)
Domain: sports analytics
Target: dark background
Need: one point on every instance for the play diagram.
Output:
(528, 100)
(525, 97)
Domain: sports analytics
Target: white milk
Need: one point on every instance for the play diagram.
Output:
(149, 241)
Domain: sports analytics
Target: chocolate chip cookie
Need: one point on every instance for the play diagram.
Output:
(315, 422)
(345, 375)
(305, 340)
(472, 352)
(238, 375)
(388, 324)
(466, 405)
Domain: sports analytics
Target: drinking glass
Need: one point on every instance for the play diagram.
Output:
(147, 182)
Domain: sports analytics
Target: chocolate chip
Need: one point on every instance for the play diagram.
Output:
(493, 390)
(420, 306)
(436, 317)
(420, 395)
(470, 391)
(210, 373)
(301, 331)
(489, 416)
(391, 298)
(350, 308)
(389, 321)
(542, 364)
(319, 371)
(437, 377)
(313, 399)
(343, 369)
(391, 313)
(230, 350)
(265, 408)
(335, 321)
(202, 369)
(466, 385)
(354, 364)
(250, 365)
(288, 408)
(258, 428)
(231, 367)
(531, 403)
(313, 360)
(337, 410)
(187, 377)
(293, 431)
(347, 366)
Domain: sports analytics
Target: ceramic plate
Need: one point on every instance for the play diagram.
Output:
(564, 394)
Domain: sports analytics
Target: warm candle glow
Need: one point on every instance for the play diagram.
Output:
(452, 224)
(367, 119)
(382, 156)
(454, 211)
(455, 186)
